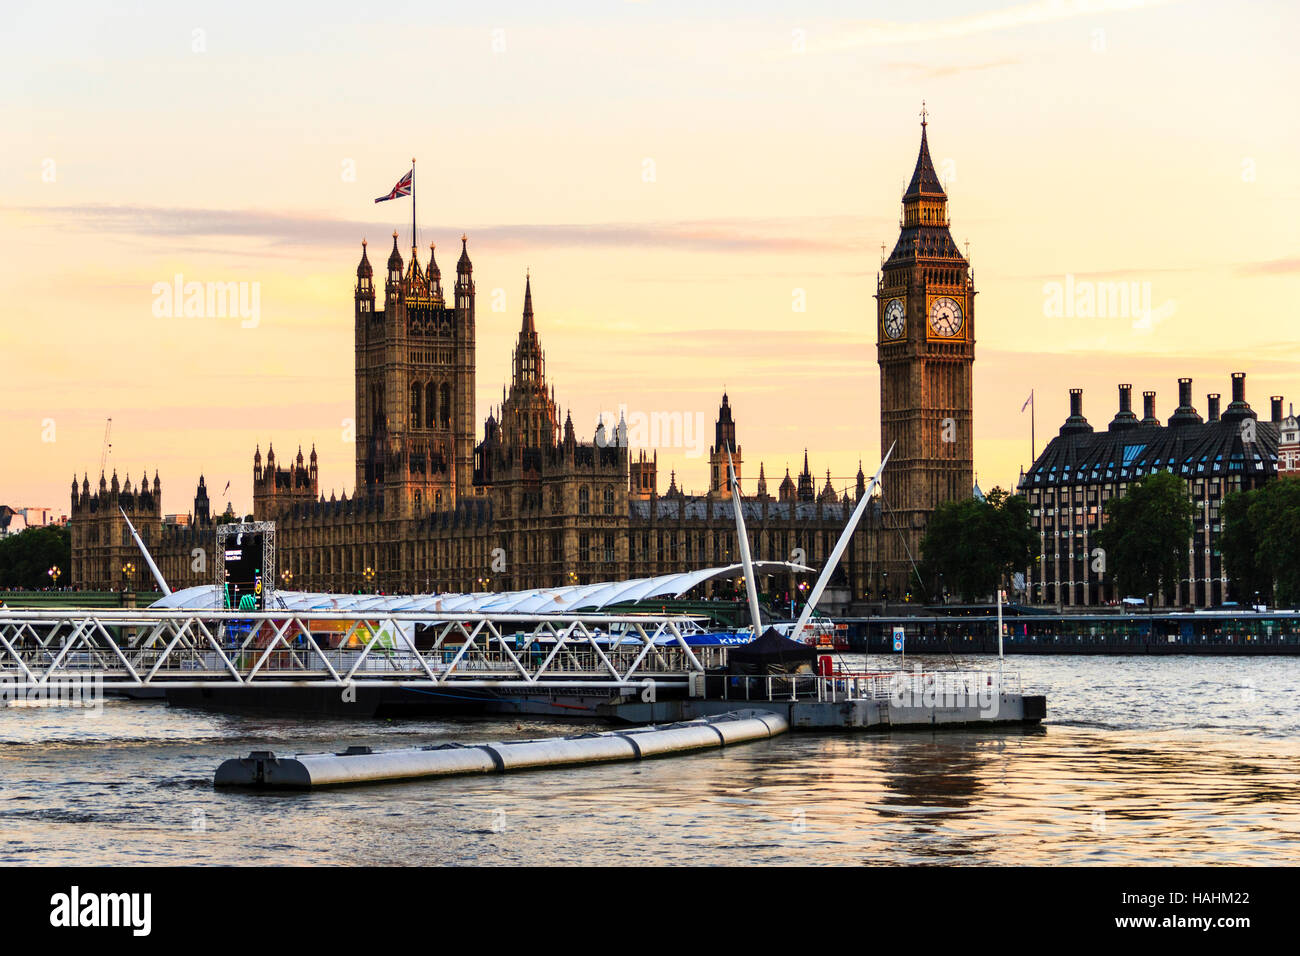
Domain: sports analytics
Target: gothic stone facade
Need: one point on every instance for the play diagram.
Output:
(925, 345)
(530, 505)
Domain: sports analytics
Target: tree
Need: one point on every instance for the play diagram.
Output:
(1274, 516)
(1146, 532)
(974, 543)
(1238, 544)
(26, 557)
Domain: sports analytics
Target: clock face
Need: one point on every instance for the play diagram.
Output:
(894, 319)
(945, 316)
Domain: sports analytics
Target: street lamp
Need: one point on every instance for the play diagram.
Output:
(128, 574)
(287, 577)
(54, 573)
(369, 575)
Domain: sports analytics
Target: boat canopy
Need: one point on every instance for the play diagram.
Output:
(569, 599)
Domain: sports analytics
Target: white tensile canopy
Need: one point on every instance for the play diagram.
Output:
(561, 600)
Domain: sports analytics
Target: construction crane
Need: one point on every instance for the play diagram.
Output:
(108, 446)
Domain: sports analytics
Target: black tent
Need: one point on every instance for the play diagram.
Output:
(771, 653)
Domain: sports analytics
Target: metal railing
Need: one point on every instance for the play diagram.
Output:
(899, 686)
(178, 648)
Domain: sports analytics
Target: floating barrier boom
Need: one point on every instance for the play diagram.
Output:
(359, 765)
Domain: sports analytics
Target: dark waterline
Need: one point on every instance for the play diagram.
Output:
(1141, 760)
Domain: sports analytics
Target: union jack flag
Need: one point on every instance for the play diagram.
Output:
(403, 187)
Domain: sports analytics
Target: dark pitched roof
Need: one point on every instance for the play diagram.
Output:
(925, 181)
(1208, 449)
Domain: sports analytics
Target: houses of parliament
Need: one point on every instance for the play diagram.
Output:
(530, 504)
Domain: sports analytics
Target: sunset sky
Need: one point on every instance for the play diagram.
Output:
(1148, 143)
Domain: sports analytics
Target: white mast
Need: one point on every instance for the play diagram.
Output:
(751, 587)
(148, 558)
(838, 551)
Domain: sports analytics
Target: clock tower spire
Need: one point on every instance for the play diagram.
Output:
(925, 347)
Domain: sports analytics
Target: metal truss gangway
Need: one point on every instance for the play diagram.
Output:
(156, 648)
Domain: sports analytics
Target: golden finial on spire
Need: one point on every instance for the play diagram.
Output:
(924, 113)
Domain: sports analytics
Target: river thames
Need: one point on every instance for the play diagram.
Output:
(1140, 761)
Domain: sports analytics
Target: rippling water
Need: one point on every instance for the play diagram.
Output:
(1141, 760)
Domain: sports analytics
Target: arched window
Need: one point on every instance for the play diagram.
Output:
(609, 501)
(430, 405)
(584, 500)
(416, 394)
(444, 406)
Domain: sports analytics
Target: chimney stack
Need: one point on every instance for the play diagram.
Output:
(1239, 409)
(1076, 422)
(1149, 409)
(1213, 413)
(1277, 408)
(1124, 418)
(1185, 413)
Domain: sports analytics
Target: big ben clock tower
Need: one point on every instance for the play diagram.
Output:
(925, 345)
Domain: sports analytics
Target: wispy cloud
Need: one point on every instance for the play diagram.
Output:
(1139, 272)
(887, 33)
(806, 233)
(1272, 267)
(929, 71)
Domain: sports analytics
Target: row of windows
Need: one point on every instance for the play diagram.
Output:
(430, 405)
(584, 500)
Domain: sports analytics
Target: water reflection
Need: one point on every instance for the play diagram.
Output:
(1141, 761)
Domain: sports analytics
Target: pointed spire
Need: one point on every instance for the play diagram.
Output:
(528, 304)
(463, 265)
(395, 257)
(413, 270)
(925, 181)
(434, 272)
(364, 271)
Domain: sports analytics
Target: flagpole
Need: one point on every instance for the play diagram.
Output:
(1033, 453)
(413, 242)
